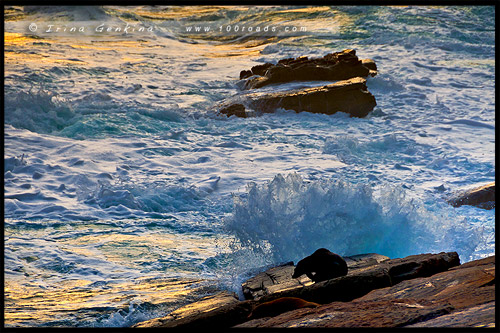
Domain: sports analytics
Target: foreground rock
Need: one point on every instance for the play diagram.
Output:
(335, 66)
(349, 96)
(367, 274)
(462, 296)
(482, 197)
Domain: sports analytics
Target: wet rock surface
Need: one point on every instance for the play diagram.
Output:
(279, 279)
(358, 283)
(211, 311)
(482, 197)
(429, 290)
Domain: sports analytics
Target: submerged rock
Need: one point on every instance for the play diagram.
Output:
(482, 197)
(335, 66)
(349, 96)
(234, 110)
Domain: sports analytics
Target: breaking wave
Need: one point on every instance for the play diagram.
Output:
(288, 218)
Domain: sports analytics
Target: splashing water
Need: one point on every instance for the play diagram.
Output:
(288, 218)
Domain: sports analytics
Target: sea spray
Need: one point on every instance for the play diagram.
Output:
(288, 218)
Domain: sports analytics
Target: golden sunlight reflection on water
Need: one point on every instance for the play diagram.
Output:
(105, 271)
(35, 305)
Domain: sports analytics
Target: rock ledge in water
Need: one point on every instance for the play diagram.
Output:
(482, 197)
(349, 96)
(335, 66)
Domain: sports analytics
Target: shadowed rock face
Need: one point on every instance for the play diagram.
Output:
(335, 66)
(349, 96)
(482, 197)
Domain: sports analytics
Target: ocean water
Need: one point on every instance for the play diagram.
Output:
(126, 196)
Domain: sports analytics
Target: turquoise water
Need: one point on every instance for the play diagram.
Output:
(126, 196)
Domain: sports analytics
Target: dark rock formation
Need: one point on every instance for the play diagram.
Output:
(234, 110)
(482, 197)
(349, 96)
(335, 66)
(321, 265)
(428, 290)
(385, 274)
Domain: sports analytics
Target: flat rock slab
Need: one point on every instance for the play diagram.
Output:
(349, 96)
(362, 261)
(463, 286)
(279, 279)
(477, 316)
(482, 197)
(273, 280)
(334, 66)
